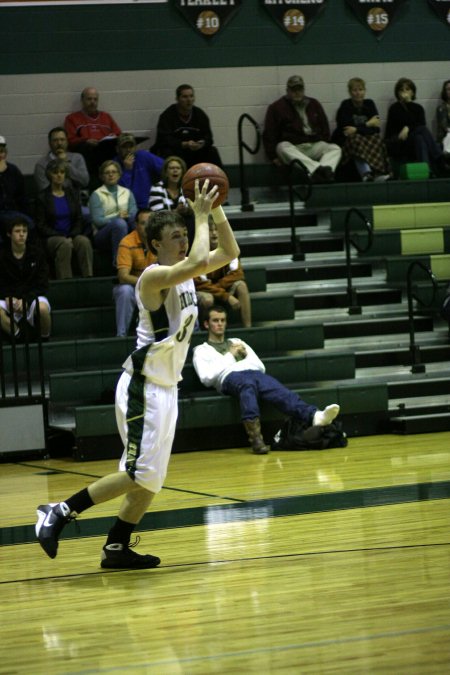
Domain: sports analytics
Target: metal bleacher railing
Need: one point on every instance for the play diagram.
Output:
(416, 360)
(23, 407)
(353, 307)
(246, 205)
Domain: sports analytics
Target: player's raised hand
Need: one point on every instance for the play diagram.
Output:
(204, 198)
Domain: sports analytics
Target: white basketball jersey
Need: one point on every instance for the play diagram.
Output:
(163, 336)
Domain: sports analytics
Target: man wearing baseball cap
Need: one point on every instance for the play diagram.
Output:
(296, 127)
(140, 169)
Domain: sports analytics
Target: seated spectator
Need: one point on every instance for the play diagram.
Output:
(184, 130)
(225, 286)
(140, 168)
(233, 368)
(23, 279)
(77, 176)
(443, 117)
(296, 127)
(358, 134)
(92, 132)
(407, 136)
(59, 223)
(13, 202)
(168, 194)
(113, 209)
(133, 257)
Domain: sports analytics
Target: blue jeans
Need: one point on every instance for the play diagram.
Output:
(250, 385)
(427, 149)
(109, 236)
(125, 300)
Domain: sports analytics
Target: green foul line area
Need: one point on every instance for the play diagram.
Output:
(248, 511)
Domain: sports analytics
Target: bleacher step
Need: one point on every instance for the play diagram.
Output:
(278, 244)
(420, 424)
(320, 300)
(401, 356)
(366, 327)
(306, 271)
(424, 385)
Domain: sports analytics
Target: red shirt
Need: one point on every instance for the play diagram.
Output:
(81, 127)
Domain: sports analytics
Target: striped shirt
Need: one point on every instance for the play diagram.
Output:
(160, 200)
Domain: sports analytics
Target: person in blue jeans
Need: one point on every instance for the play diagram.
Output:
(233, 368)
(407, 136)
(113, 210)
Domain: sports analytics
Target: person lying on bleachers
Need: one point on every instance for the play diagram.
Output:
(233, 368)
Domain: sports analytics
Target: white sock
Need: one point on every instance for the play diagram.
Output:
(323, 417)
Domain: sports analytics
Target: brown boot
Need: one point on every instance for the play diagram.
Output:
(253, 429)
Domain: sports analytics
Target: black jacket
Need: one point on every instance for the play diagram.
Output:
(12, 190)
(172, 131)
(46, 216)
(25, 278)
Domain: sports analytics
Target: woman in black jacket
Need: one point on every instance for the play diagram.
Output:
(358, 133)
(59, 223)
(407, 135)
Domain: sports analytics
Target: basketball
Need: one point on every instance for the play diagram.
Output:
(202, 172)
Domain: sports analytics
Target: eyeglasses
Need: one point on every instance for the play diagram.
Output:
(106, 173)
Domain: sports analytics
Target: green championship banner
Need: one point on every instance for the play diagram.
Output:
(442, 8)
(294, 16)
(376, 14)
(208, 17)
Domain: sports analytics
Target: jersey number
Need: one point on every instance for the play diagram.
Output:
(183, 330)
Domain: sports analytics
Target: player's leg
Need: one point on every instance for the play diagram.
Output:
(146, 417)
(243, 295)
(52, 518)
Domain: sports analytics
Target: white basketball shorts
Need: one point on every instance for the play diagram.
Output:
(146, 415)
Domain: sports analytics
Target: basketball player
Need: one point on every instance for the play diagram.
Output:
(146, 395)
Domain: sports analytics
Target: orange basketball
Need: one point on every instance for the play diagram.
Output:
(201, 172)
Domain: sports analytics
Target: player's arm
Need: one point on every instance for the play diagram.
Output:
(156, 279)
(227, 248)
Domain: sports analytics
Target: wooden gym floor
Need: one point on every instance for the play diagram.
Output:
(318, 562)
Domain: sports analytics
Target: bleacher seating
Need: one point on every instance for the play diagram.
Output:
(303, 331)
